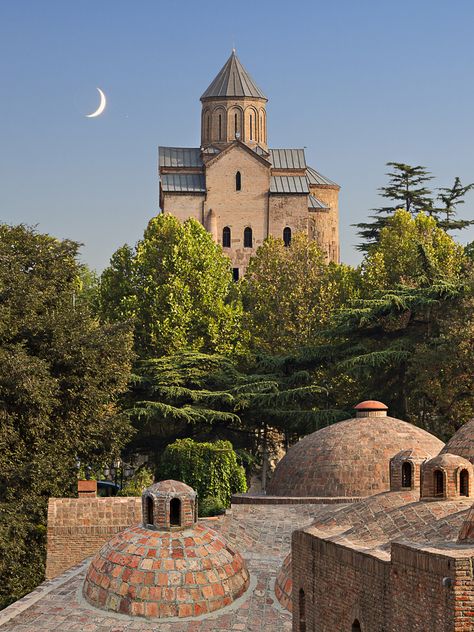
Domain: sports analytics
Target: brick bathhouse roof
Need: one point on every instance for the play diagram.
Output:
(233, 81)
(169, 566)
(350, 458)
(462, 442)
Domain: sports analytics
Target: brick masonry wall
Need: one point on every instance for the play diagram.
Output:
(340, 585)
(78, 527)
(418, 599)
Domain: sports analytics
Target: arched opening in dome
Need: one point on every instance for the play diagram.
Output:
(302, 611)
(226, 237)
(175, 512)
(238, 181)
(407, 474)
(248, 237)
(287, 236)
(438, 483)
(356, 626)
(149, 510)
(464, 483)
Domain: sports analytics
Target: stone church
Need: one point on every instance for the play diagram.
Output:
(241, 190)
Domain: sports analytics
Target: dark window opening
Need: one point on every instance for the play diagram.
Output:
(238, 181)
(220, 126)
(406, 474)
(235, 274)
(287, 236)
(438, 483)
(175, 512)
(236, 125)
(208, 128)
(302, 611)
(248, 238)
(149, 510)
(251, 127)
(464, 483)
(356, 626)
(226, 237)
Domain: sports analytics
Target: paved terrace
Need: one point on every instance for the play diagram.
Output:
(262, 534)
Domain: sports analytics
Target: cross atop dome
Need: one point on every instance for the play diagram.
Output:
(233, 81)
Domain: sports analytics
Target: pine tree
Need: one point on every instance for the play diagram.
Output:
(451, 197)
(407, 189)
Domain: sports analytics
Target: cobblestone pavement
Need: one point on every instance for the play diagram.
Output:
(262, 534)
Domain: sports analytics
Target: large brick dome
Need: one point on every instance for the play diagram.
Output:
(462, 442)
(169, 566)
(350, 458)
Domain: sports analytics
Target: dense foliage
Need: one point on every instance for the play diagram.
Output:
(176, 286)
(210, 468)
(60, 375)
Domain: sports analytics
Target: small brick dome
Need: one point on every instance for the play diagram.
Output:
(158, 570)
(405, 469)
(466, 534)
(350, 458)
(462, 442)
(447, 477)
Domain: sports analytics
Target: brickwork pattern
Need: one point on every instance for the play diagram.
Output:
(349, 458)
(160, 496)
(462, 442)
(78, 527)
(166, 574)
(450, 467)
(414, 460)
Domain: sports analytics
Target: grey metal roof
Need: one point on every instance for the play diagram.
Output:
(288, 184)
(316, 178)
(316, 205)
(180, 157)
(288, 158)
(183, 182)
(233, 81)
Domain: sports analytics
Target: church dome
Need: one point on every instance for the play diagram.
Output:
(350, 458)
(462, 442)
(169, 566)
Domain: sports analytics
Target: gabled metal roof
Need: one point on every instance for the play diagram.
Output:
(180, 157)
(288, 158)
(183, 183)
(316, 205)
(288, 184)
(316, 178)
(233, 81)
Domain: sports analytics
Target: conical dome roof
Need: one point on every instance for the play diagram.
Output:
(233, 81)
(462, 442)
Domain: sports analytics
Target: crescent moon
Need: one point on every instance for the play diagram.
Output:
(102, 104)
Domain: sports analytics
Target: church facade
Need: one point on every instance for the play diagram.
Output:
(238, 187)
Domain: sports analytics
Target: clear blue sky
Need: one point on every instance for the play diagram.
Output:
(357, 82)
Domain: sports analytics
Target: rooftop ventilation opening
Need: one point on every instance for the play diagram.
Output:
(175, 512)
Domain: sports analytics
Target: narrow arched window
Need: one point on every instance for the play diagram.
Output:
(236, 128)
(356, 626)
(302, 611)
(149, 510)
(175, 512)
(226, 237)
(406, 474)
(220, 127)
(287, 236)
(238, 181)
(248, 237)
(464, 483)
(438, 483)
(208, 128)
(251, 127)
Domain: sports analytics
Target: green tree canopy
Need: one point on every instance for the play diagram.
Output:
(177, 287)
(60, 375)
(289, 292)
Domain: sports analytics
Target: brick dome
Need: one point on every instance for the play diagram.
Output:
(350, 458)
(161, 569)
(284, 584)
(462, 442)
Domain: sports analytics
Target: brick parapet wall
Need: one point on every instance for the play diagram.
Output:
(78, 527)
(431, 589)
(248, 499)
(340, 585)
